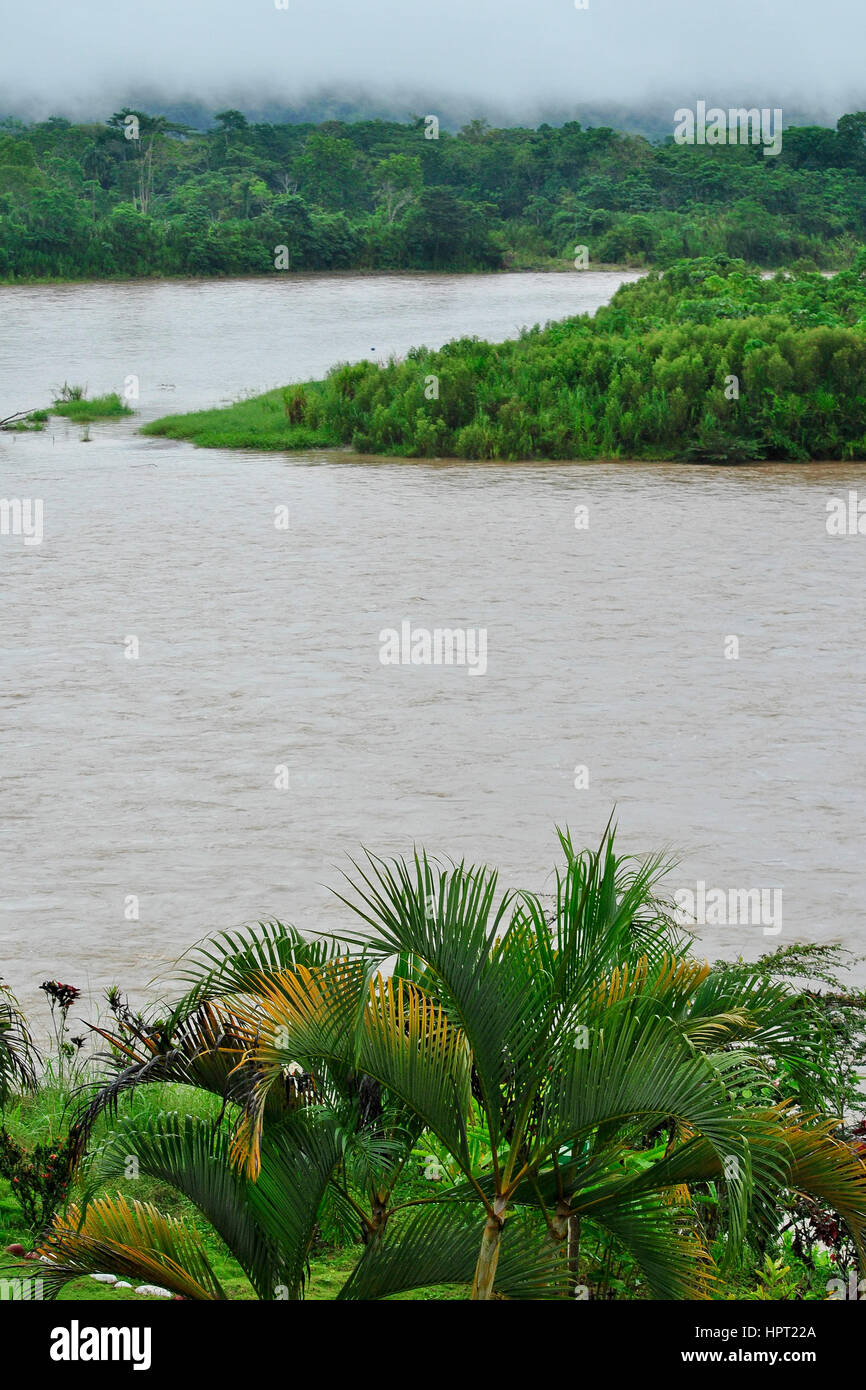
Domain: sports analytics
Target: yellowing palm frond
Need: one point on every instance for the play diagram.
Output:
(133, 1240)
(305, 1015)
(715, 1032)
(826, 1169)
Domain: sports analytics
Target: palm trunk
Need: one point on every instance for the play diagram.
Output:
(379, 1214)
(573, 1251)
(559, 1223)
(488, 1255)
(564, 1233)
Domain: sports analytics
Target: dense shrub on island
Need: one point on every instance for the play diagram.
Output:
(706, 360)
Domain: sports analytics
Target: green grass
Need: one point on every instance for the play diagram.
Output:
(84, 412)
(258, 422)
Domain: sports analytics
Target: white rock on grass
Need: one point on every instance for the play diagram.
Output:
(104, 1278)
(122, 1284)
(154, 1291)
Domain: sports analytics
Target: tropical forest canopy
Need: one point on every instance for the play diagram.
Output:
(84, 200)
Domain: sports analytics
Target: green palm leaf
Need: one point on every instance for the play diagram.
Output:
(194, 1157)
(19, 1056)
(440, 1247)
(132, 1240)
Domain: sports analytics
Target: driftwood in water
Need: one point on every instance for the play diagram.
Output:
(19, 415)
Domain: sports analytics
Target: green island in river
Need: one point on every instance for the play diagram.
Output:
(706, 361)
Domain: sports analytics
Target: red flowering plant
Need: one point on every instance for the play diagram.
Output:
(38, 1178)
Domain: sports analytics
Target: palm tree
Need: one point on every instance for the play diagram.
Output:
(19, 1056)
(578, 1039)
(613, 1074)
(327, 1138)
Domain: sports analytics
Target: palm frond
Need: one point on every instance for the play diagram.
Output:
(304, 1016)
(828, 1170)
(19, 1055)
(132, 1240)
(233, 962)
(664, 1242)
(193, 1156)
(298, 1164)
(440, 1247)
(205, 1049)
(473, 951)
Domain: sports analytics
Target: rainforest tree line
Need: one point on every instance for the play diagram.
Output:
(86, 200)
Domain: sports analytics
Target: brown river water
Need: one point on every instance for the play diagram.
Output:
(148, 784)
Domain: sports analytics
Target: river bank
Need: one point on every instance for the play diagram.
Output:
(560, 266)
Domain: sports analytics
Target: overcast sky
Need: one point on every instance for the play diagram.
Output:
(89, 57)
